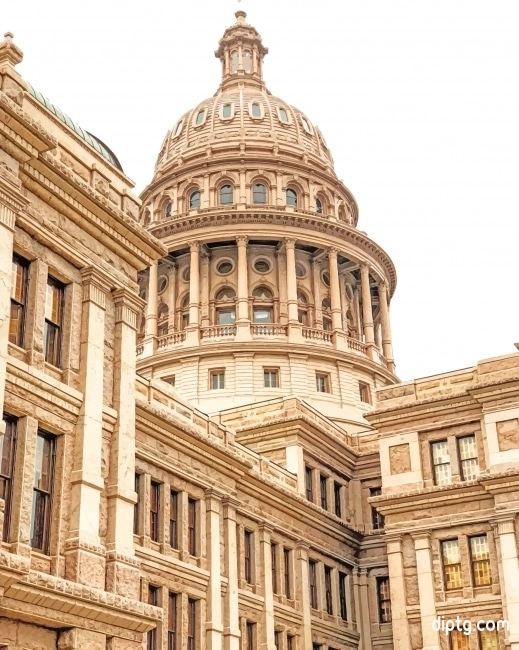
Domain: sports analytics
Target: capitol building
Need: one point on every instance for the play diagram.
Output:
(205, 444)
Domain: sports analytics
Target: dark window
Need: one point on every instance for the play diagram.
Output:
(153, 599)
(259, 193)
(226, 195)
(342, 596)
(194, 200)
(43, 491)
(337, 490)
(173, 519)
(377, 519)
(277, 640)
(271, 378)
(328, 589)
(309, 487)
(323, 484)
(192, 526)
(318, 206)
(291, 197)
(172, 621)
(53, 321)
(136, 507)
(191, 623)
(291, 644)
(274, 562)
(7, 458)
(168, 209)
(316, 646)
(247, 555)
(20, 276)
(287, 582)
(251, 635)
(384, 600)
(154, 510)
(312, 575)
(364, 392)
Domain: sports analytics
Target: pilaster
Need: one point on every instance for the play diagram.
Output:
(395, 559)
(193, 328)
(509, 565)
(243, 319)
(303, 594)
(422, 545)
(214, 625)
(150, 339)
(367, 311)
(231, 629)
(267, 639)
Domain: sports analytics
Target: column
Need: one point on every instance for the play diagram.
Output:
(282, 284)
(213, 626)
(303, 594)
(335, 294)
(395, 559)
(150, 337)
(242, 316)
(510, 575)
(422, 546)
(367, 313)
(204, 291)
(205, 193)
(172, 297)
(84, 556)
(193, 328)
(364, 613)
(316, 285)
(294, 326)
(267, 641)
(122, 568)
(231, 630)
(387, 345)
(243, 196)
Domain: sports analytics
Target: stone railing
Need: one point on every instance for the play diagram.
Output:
(270, 329)
(317, 335)
(218, 331)
(354, 344)
(140, 349)
(170, 339)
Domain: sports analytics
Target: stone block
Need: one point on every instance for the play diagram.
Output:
(508, 434)
(399, 459)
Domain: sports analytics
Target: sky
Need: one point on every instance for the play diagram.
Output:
(417, 99)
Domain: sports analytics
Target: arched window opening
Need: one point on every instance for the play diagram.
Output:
(227, 293)
(263, 307)
(194, 200)
(259, 193)
(291, 197)
(162, 319)
(234, 62)
(318, 206)
(168, 209)
(184, 313)
(247, 64)
(264, 293)
(225, 312)
(283, 115)
(226, 195)
(256, 110)
(302, 308)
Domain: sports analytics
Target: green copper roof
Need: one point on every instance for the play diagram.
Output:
(90, 139)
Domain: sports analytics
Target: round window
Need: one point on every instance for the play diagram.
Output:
(186, 274)
(326, 278)
(224, 267)
(163, 283)
(300, 271)
(262, 266)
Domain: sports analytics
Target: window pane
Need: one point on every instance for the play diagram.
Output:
(194, 200)
(200, 117)
(291, 197)
(226, 195)
(226, 317)
(256, 110)
(227, 110)
(259, 193)
(262, 315)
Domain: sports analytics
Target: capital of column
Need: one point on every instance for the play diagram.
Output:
(11, 201)
(230, 505)
(394, 544)
(422, 540)
(505, 524)
(128, 306)
(241, 240)
(290, 243)
(333, 252)
(213, 499)
(265, 531)
(95, 286)
(194, 246)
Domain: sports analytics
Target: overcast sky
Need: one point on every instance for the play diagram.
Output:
(418, 101)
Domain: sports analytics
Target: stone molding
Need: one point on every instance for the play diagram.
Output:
(128, 306)
(95, 286)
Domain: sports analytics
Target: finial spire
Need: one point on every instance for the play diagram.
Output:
(9, 51)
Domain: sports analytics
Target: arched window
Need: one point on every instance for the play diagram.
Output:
(227, 293)
(234, 62)
(184, 313)
(283, 115)
(302, 308)
(259, 193)
(227, 111)
(194, 200)
(326, 306)
(200, 117)
(263, 293)
(306, 125)
(162, 319)
(168, 209)
(226, 195)
(225, 312)
(318, 206)
(255, 110)
(178, 128)
(246, 58)
(291, 197)
(263, 308)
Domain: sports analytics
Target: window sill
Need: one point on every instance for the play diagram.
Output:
(53, 371)
(17, 352)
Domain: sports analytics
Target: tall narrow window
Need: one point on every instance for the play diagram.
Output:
(19, 282)
(384, 600)
(441, 462)
(153, 599)
(172, 621)
(287, 574)
(489, 640)
(226, 111)
(154, 510)
(323, 484)
(283, 115)
(194, 200)
(251, 635)
(53, 321)
(42, 491)
(256, 110)
(136, 507)
(458, 640)
(259, 193)
(364, 392)
(318, 206)
(271, 378)
(191, 623)
(274, 563)
(377, 519)
(7, 458)
(451, 564)
(309, 488)
(468, 454)
(312, 575)
(226, 195)
(480, 560)
(322, 382)
(328, 589)
(337, 492)
(200, 117)
(342, 596)
(291, 644)
(173, 519)
(291, 197)
(192, 526)
(217, 379)
(247, 555)
(277, 639)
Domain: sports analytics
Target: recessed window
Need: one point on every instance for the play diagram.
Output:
(168, 208)
(259, 193)
(247, 555)
(53, 321)
(226, 316)
(153, 599)
(364, 392)
(271, 378)
(226, 195)
(337, 491)
(458, 640)
(19, 285)
(192, 526)
(173, 604)
(312, 578)
(287, 573)
(291, 197)
(262, 293)
(480, 560)
(186, 275)
(342, 596)
(227, 293)
(224, 267)
(154, 510)
(451, 558)
(322, 382)
(200, 117)
(262, 315)
(262, 266)
(377, 519)
(327, 324)
(217, 379)
(326, 278)
(246, 60)
(274, 566)
(178, 128)
(306, 125)
(309, 484)
(227, 111)
(194, 200)
(43, 491)
(318, 206)
(301, 297)
(7, 459)
(384, 600)
(162, 283)
(234, 61)
(137, 505)
(468, 455)
(328, 590)
(488, 640)
(174, 517)
(192, 623)
(255, 110)
(323, 486)
(283, 115)
(250, 638)
(300, 271)
(441, 462)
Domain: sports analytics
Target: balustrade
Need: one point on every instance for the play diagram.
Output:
(218, 331)
(317, 335)
(269, 329)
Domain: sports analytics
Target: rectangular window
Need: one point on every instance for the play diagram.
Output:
(226, 316)
(19, 285)
(468, 455)
(377, 520)
(364, 392)
(312, 576)
(191, 623)
(480, 560)
(247, 555)
(217, 380)
(323, 484)
(251, 635)
(441, 463)
(309, 488)
(384, 600)
(451, 564)
(7, 458)
(337, 492)
(322, 383)
(192, 526)
(173, 519)
(328, 589)
(271, 378)
(342, 596)
(274, 563)
(172, 621)
(53, 321)
(488, 640)
(136, 507)
(291, 643)
(458, 640)
(262, 315)
(43, 491)
(287, 577)
(277, 640)
(154, 511)
(153, 599)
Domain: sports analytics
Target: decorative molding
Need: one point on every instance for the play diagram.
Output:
(95, 286)
(128, 306)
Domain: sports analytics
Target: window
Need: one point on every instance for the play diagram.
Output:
(300, 271)
(246, 60)
(291, 197)
(377, 520)
(259, 193)
(364, 392)
(172, 621)
(194, 200)
(318, 206)
(277, 640)
(327, 324)
(271, 378)
(317, 646)
(217, 379)
(458, 640)
(262, 315)
(53, 321)
(325, 275)
(136, 507)
(489, 640)
(7, 458)
(441, 463)
(450, 552)
(42, 491)
(309, 488)
(323, 484)
(263, 293)
(200, 117)
(247, 556)
(287, 582)
(291, 643)
(227, 111)
(168, 209)
(234, 61)
(342, 596)
(225, 316)
(227, 293)
(337, 490)
(306, 124)
(262, 266)
(480, 560)
(192, 526)
(154, 511)
(225, 267)
(178, 128)
(283, 115)
(19, 283)
(250, 638)
(153, 599)
(173, 519)
(191, 623)
(322, 383)
(384, 600)
(226, 195)
(255, 110)
(312, 576)
(328, 589)
(274, 563)
(468, 455)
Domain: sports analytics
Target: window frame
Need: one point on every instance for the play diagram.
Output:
(274, 549)
(309, 483)
(250, 635)
(19, 262)
(337, 499)
(192, 622)
(384, 599)
(192, 526)
(215, 379)
(435, 474)
(445, 564)
(174, 518)
(154, 510)
(378, 521)
(137, 504)
(54, 358)
(254, 193)
(287, 572)
(343, 603)
(323, 491)
(231, 194)
(8, 447)
(475, 563)
(322, 383)
(312, 580)
(248, 556)
(291, 200)
(172, 631)
(46, 496)
(153, 599)
(365, 393)
(463, 461)
(328, 597)
(191, 194)
(268, 375)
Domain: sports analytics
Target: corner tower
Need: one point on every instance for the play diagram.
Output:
(268, 289)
